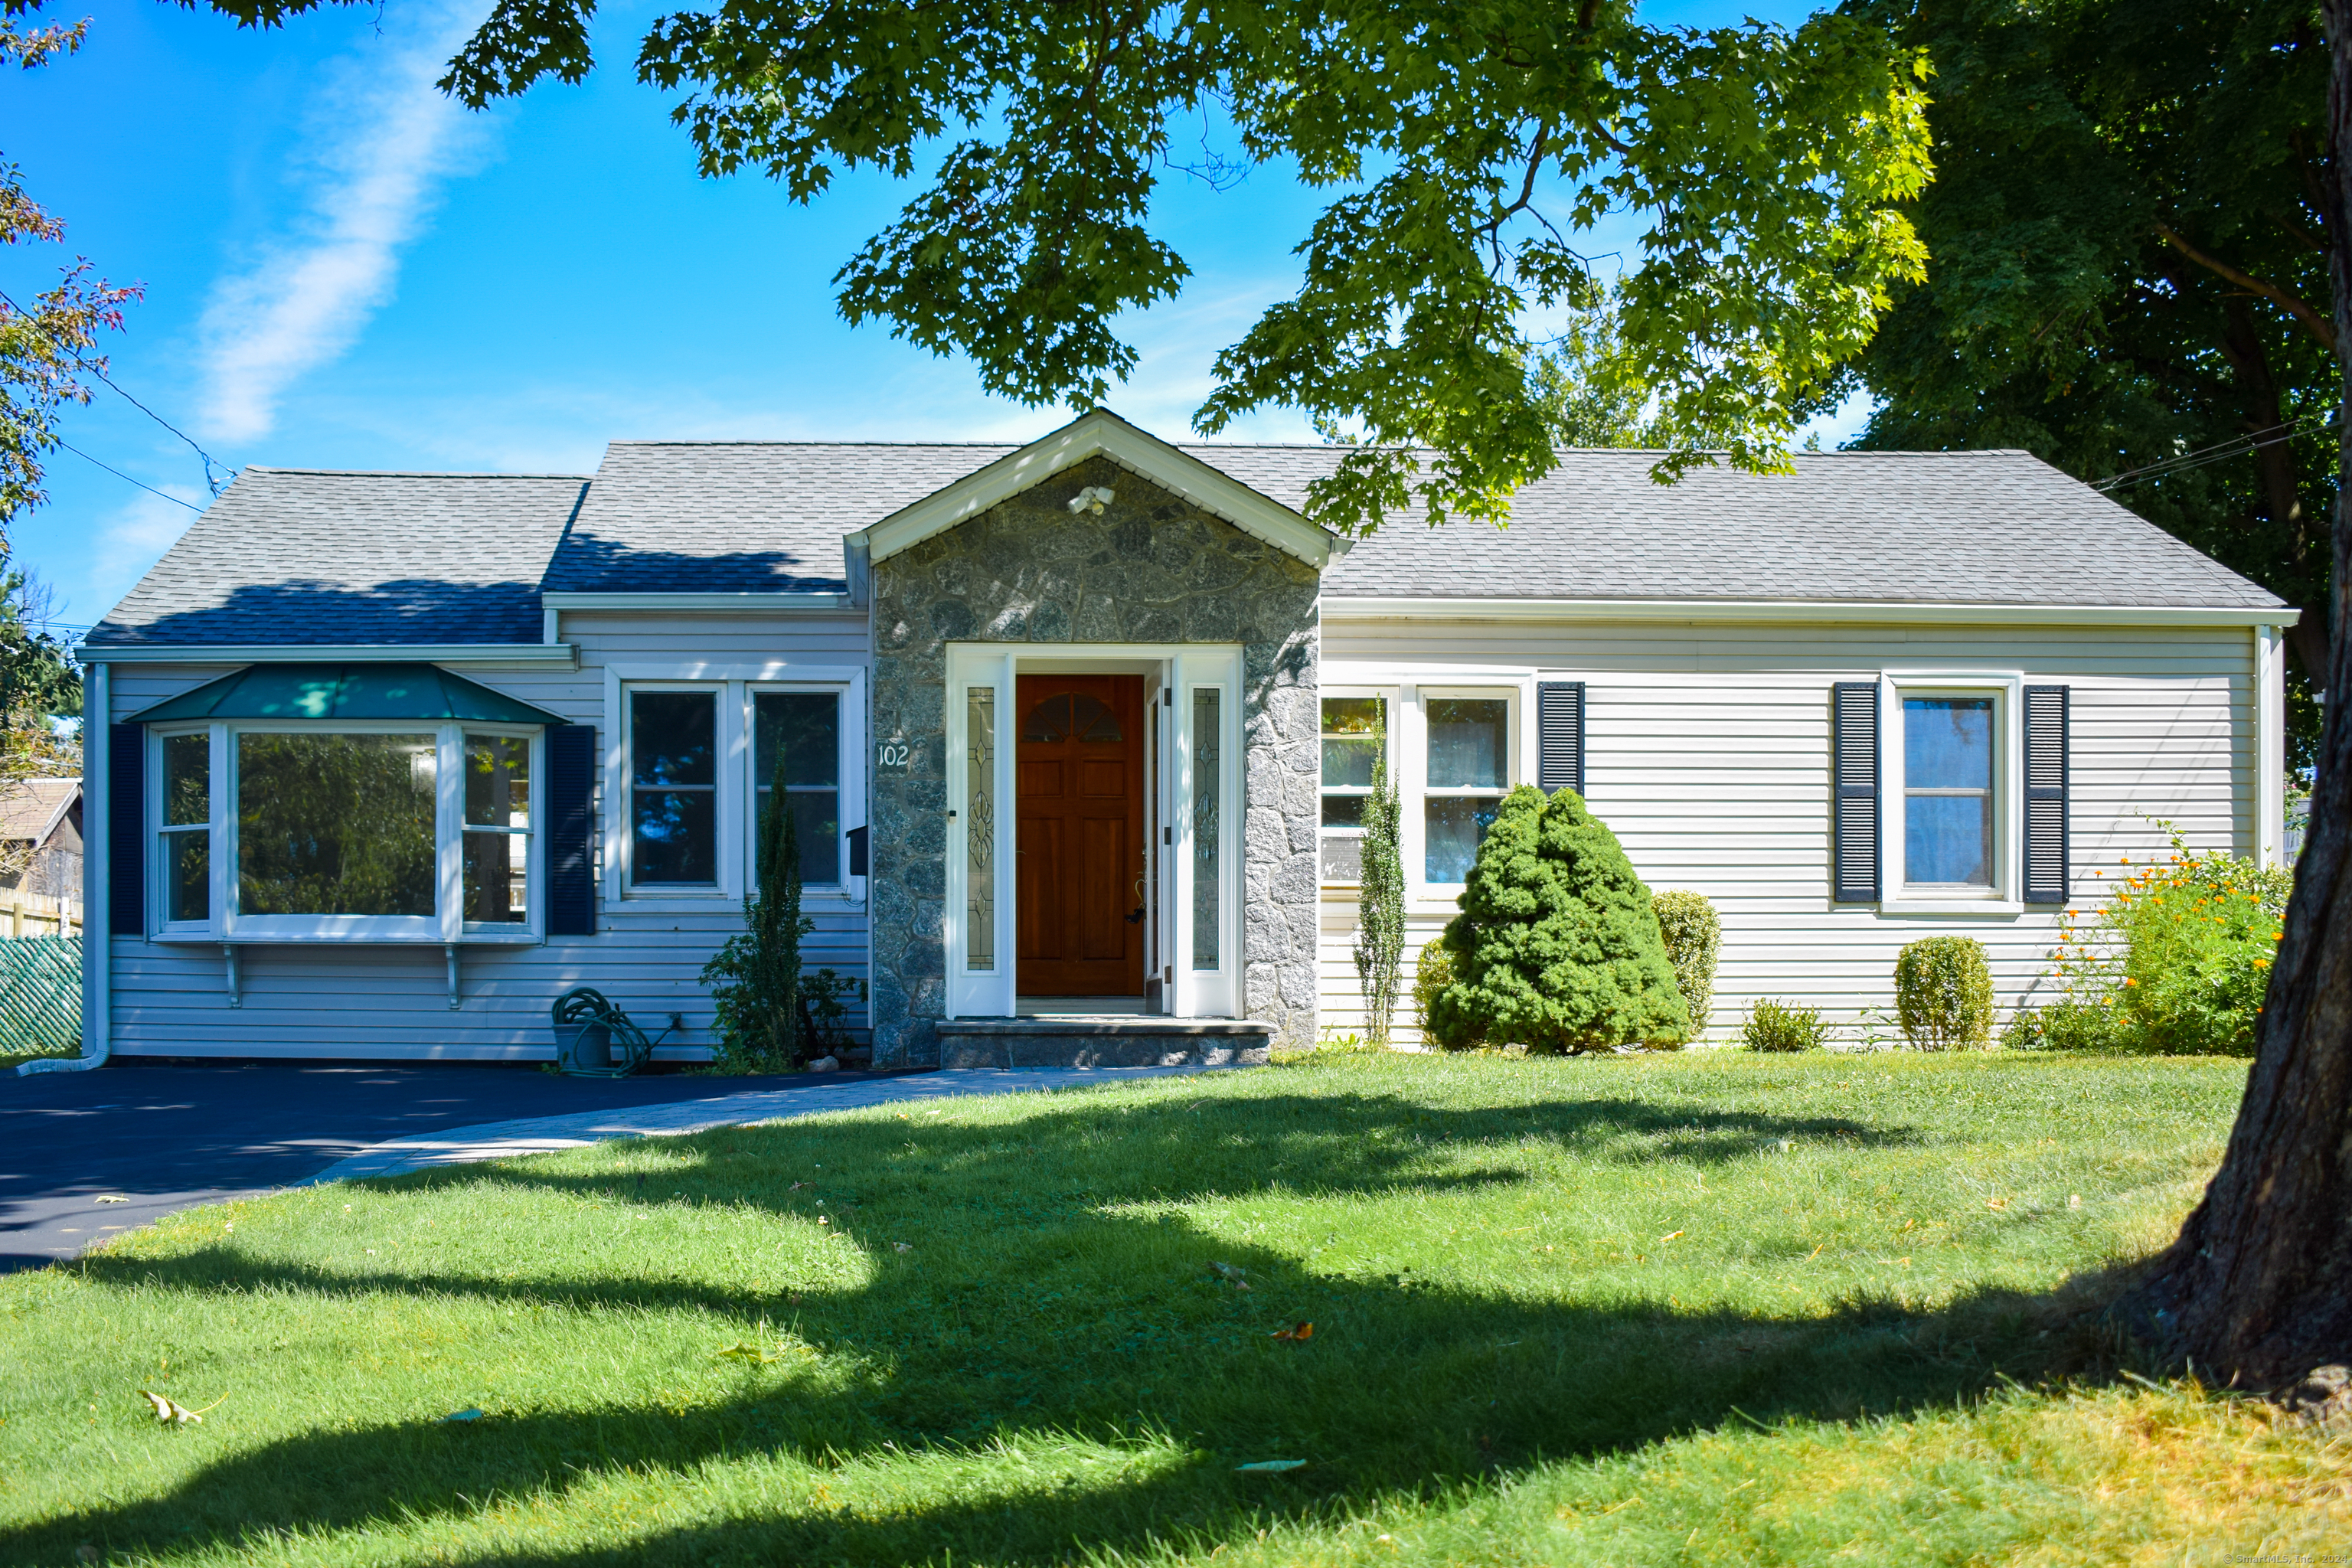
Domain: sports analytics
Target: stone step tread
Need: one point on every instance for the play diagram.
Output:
(1133, 1025)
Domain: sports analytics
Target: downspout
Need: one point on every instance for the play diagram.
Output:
(97, 846)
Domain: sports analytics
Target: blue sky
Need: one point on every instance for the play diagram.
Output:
(345, 270)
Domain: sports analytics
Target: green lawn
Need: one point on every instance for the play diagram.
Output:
(1705, 1309)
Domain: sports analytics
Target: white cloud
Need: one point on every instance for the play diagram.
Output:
(382, 139)
(133, 539)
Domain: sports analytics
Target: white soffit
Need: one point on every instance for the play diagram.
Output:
(1105, 434)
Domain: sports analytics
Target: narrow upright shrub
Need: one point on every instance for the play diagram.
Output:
(755, 979)
(1556, 946)
(1380, 919)
(1692, 937)
(1943, 994)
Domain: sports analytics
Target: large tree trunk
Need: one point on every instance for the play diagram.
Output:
(2258, 1289)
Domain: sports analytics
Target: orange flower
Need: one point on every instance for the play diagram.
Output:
(2128, 981)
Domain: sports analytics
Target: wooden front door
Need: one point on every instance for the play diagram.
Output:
(1080, 822)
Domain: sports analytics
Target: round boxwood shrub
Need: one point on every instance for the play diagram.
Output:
(1692, 937)
(1556, 947)
(1776, 1026)
(1943, 994)
(1433, 971)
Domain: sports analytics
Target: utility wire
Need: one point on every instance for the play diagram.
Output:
(209, 461)
(2236, 446)
(126, 478)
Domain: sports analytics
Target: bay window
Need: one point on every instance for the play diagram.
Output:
(1468, 772)
(390, 832)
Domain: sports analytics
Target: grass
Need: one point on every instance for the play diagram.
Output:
(1705, 1308)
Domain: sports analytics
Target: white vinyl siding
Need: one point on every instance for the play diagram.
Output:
(1707, 754)
(388, 1002)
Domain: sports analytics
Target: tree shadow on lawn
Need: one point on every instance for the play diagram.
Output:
(1403, 1389)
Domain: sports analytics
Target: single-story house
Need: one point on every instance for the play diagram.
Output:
(40, 856)
(1081, 728)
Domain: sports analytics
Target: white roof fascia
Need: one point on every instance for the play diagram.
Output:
(731, 604)
(562, 654)
(1102, 433)
(1344, 607)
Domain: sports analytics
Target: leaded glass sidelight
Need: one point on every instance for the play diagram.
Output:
(1207, 830)
(980, 829)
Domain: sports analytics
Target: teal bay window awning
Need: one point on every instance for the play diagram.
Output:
(345, 691)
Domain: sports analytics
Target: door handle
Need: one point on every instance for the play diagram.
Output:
(1137, 918)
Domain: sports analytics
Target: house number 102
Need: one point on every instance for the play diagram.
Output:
(892, 755)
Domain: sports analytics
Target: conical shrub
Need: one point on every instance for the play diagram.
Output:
(1556, 947)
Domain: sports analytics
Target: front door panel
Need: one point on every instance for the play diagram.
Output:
(1079, 771)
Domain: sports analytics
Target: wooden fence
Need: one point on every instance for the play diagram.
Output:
(40, 996)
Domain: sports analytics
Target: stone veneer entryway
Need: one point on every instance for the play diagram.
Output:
(1152, 568)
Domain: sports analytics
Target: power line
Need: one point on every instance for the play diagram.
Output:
(75, 354)
(2236, 446)
(126, 478)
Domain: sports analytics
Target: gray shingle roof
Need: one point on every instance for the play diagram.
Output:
(696, 517)
(297, 555)
(1975, 528)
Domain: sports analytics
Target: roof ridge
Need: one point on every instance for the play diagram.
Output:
(409, 473)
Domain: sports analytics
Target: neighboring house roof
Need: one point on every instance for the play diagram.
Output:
(293, 556)
(32, 808)
(306, 556)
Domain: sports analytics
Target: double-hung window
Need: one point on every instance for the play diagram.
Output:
(1355, 730)
(673, 789)
(1951, 766)
(802, 728)
(701, 763)
(187, 827)
(1470, 738)
(497, 831)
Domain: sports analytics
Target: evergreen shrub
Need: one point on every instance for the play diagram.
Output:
(1433, 971)
(755, 979)
(1774, 1026)
(1943, 994)
(1556, 947)
(1694, 936)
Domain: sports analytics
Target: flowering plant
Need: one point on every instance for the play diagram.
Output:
(2179, 957)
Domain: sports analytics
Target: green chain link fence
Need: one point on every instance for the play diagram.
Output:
(40, 996)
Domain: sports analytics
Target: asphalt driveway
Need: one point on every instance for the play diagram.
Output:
(168, 1137)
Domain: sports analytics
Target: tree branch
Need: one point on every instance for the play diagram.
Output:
(2318, 326)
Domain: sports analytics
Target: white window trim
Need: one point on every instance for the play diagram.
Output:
(446, 927)
(737, 842)
(1389, 695)
(1413, 732)
(2007, 688)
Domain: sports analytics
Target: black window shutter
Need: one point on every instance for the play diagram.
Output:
(570, 830)
(126, 829)
(1559, 735)
(2046, 870)
(1854, 822)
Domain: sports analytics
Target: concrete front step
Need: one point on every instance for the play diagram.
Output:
(1103, 1041)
